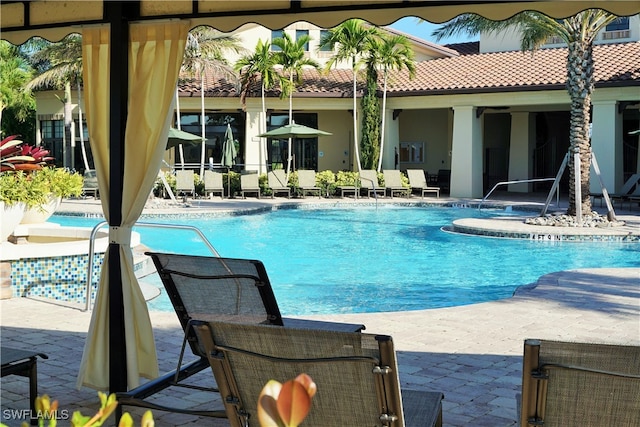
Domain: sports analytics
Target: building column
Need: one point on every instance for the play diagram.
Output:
(520, 158)
(391, 140)
(466, 153)
(255, 149)
(606, 143)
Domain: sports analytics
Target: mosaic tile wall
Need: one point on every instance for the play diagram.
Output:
(59, 278)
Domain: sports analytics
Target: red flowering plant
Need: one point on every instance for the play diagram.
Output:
(15, 156)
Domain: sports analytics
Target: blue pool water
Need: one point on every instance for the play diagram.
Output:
(375, 260)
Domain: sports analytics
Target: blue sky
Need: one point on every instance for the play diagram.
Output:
(410, 25)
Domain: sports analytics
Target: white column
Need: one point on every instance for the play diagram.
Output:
(391, 140)
(606, 143)
(254, 151)
(519, 156)
(466, 153)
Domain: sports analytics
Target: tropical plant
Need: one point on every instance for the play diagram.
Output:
(205, 53)
(390, 53)
(291, 57)
(348, 40)
(15, 72)
(259, 64)
(64, 67)
(578, 32)
(369, 142)
(14, 156)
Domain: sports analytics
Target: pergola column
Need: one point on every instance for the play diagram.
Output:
(520, 158)
(606, 143)
(466, 153)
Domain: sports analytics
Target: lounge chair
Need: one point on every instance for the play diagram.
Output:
(23, 363)
(444, 180)
(418, 181)
(393, 182)
(369, 183)
(277, 181)
(577, 384)
(90, 183)
(212, 288)
(213, 183)
(249, 184)
(185, 183)
(356, 375)
(307, 182)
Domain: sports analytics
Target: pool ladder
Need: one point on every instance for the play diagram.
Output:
(520, 181)
(102, 224)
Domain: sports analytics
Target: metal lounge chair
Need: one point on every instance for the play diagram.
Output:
(307, 182)
(249, 183)
(185, 183)
(277, 181)
(578, 384)
(418, 181)
(90, 183)
(201, 287)
(629, 190)
(213, 183)
(393, 182)
(369, 183)
(356, 375)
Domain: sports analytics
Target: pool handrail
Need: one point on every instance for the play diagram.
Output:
(101, 224)
(518, 181)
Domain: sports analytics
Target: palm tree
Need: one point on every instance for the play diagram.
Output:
(578, 32)
(205, 53)
(293, 60)
(350, 38)
(15, 72)
(390, 53)
(64, 67)
(261, 63)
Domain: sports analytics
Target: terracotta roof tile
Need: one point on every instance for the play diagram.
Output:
(615, 65)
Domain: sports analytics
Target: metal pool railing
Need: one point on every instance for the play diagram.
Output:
(101, 224)
(519, 181)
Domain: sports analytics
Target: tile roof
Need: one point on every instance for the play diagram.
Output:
(615, 65)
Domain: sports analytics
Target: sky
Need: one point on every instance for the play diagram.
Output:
(412, 26)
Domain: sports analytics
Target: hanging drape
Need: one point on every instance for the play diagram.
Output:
(155, 54)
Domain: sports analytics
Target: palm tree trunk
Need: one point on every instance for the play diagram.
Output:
(355, 117)
(384, 107)
(263, 141)
(68, 122)
(580, 87)
(81, 127)
(289, 144)
(202, 119)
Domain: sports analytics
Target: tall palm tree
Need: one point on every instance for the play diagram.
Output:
(578, 32)
(291, 57)
(259, 64)
(348, 40)
(390, 53)
(205, 53)
(15, 72)
(64, 67)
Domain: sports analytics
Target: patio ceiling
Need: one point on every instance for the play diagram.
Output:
(53, 20)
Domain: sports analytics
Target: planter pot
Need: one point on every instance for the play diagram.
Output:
(39, 214)
(11, 217)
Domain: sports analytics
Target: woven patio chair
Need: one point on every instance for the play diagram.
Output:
(393, 182)
(307, 182)
(212, 288)
(418, 181)
(356, 375)
(369, 183)
(277, 180)
(213, 183)
(577, 384)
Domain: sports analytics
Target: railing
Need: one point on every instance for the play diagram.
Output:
(101, 224)
(519, 181)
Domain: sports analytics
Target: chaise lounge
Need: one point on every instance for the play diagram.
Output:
(356, 375)
(418, 181)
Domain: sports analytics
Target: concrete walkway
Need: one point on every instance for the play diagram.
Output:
(470, 353)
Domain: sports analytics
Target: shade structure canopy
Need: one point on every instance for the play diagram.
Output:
(294, 130)
(132, 52)
(228, 148)
(177, 137)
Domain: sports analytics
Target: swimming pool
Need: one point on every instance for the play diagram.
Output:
(374, 260)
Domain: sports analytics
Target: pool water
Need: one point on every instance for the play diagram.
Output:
(376, 260)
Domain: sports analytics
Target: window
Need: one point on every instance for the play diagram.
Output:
(622, 23)
(305, 151)
(323, 35)
(299, 35)
(276, 34)
(412, 152)
(215, 128)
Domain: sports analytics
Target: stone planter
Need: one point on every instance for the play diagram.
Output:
(40, 214)
(11, 217)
